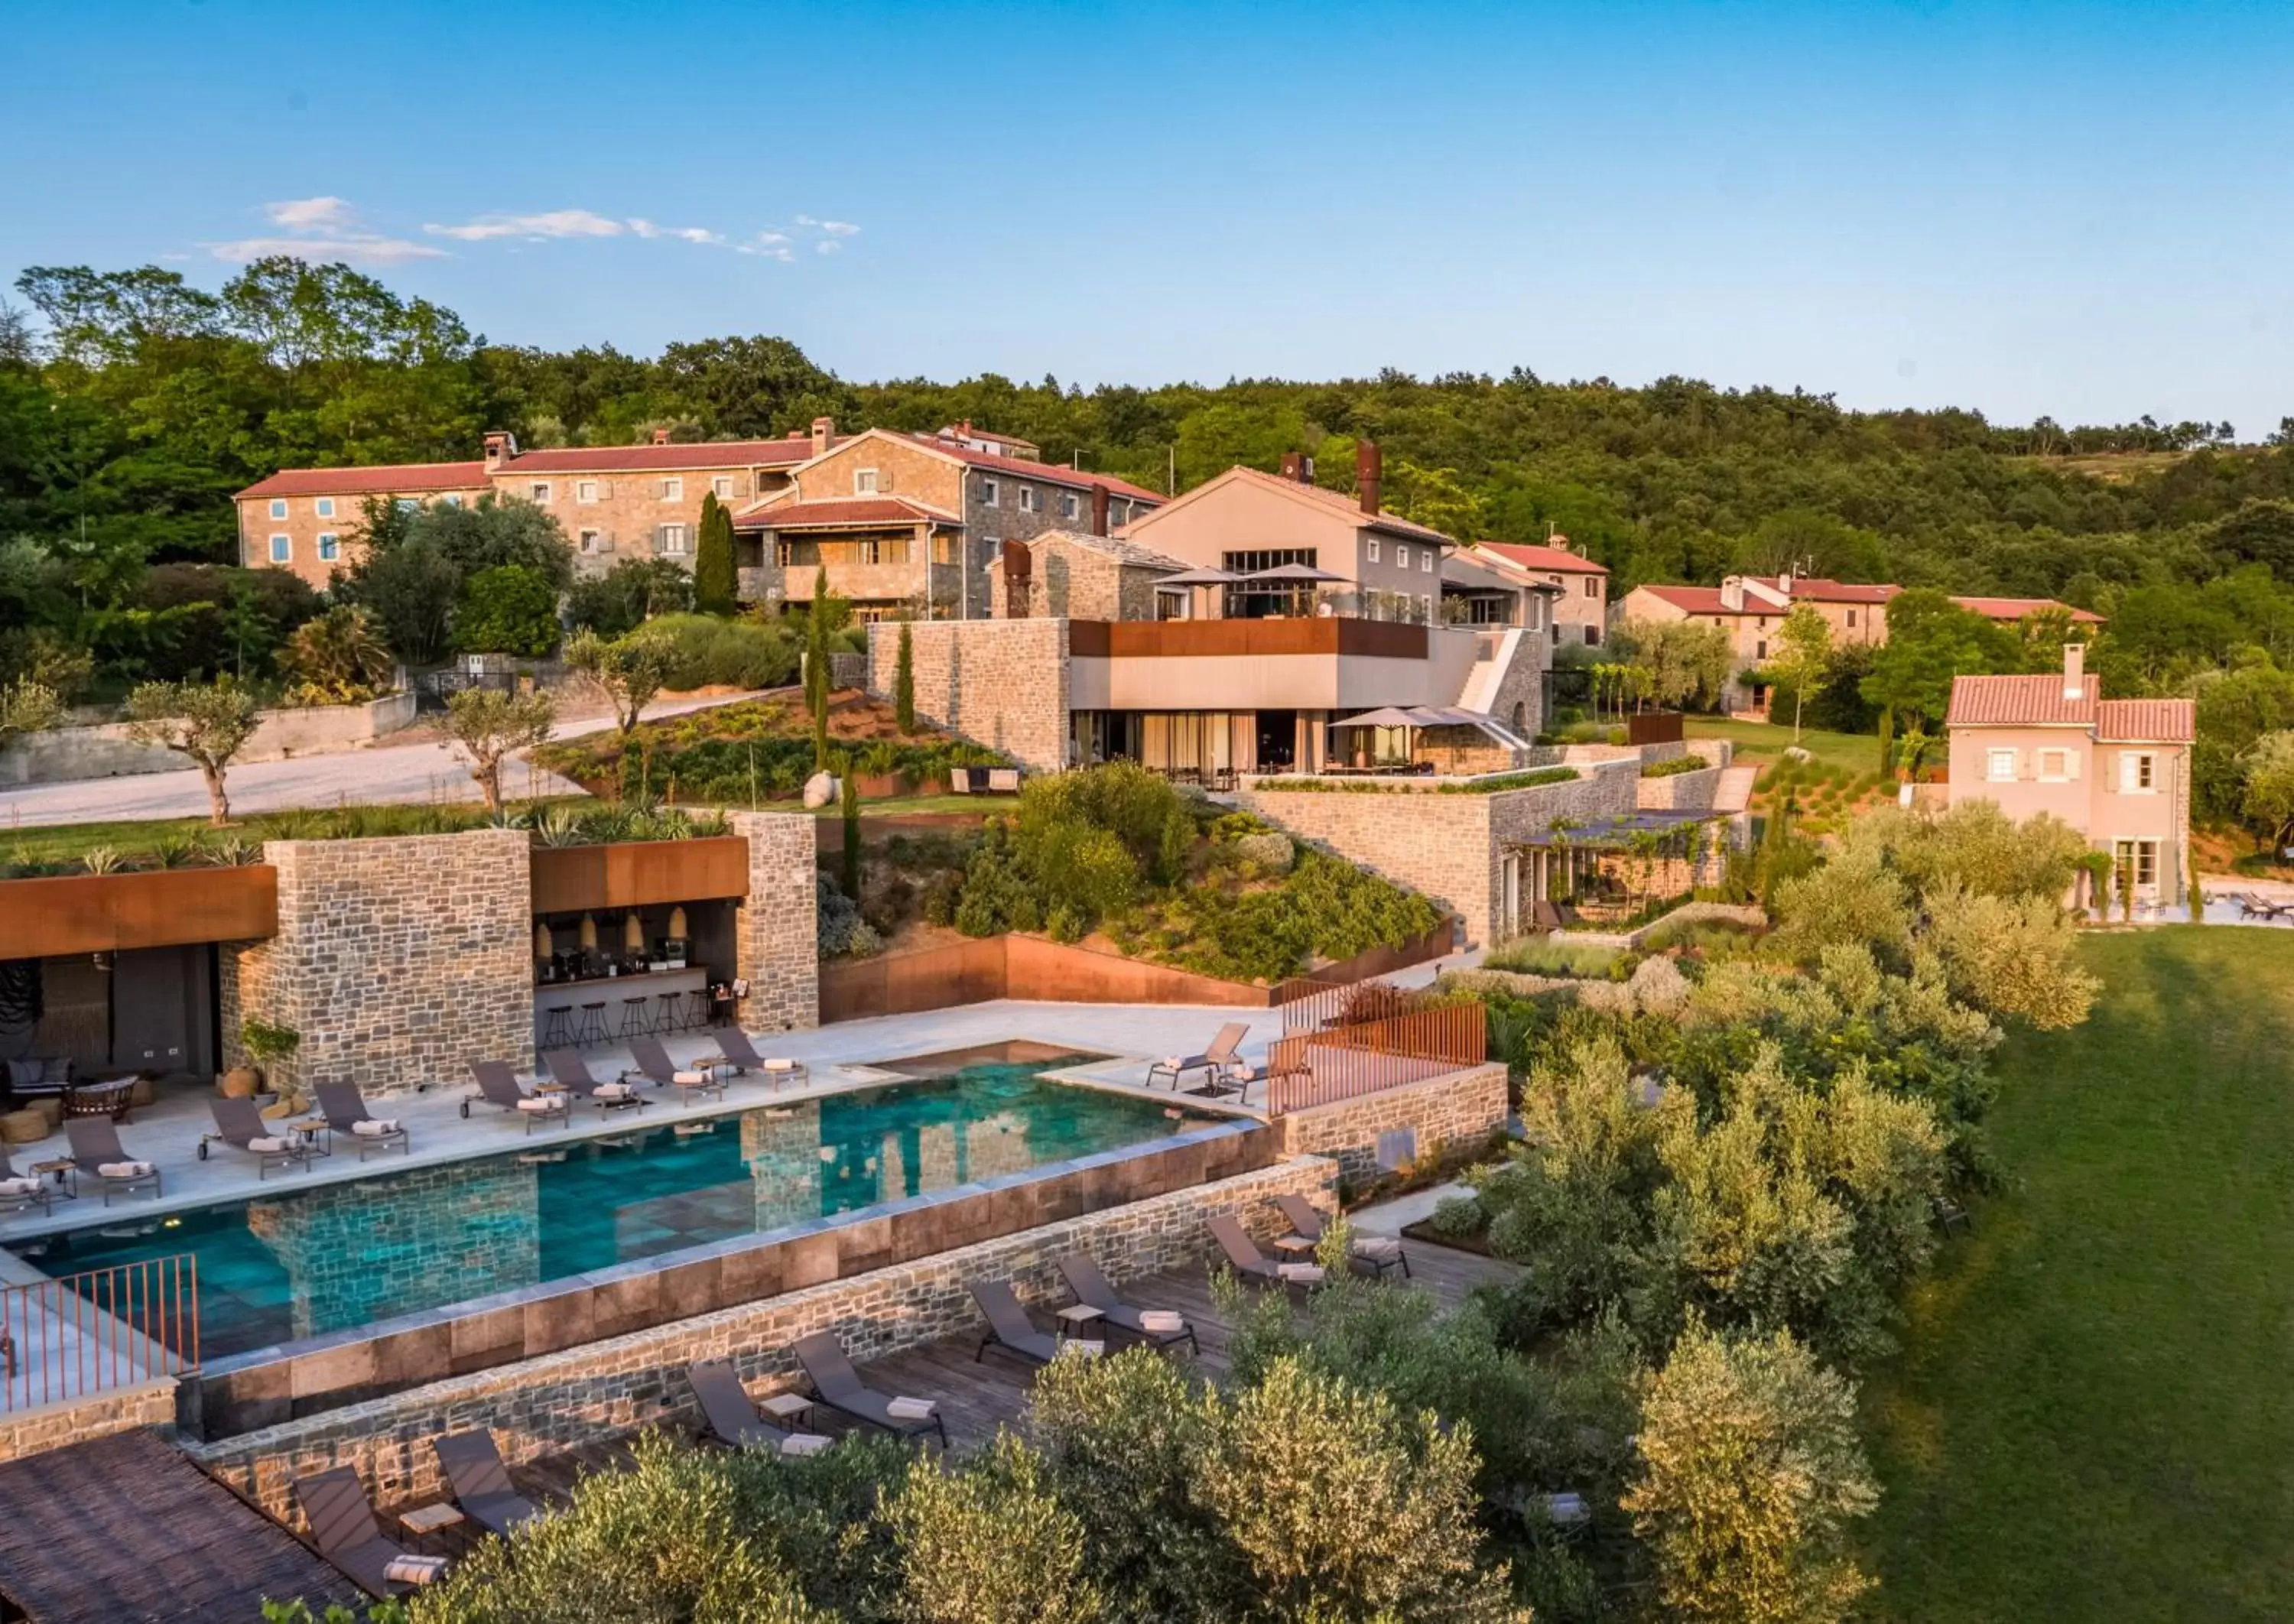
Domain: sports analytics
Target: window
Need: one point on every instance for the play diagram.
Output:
(329, 548)
(585, 490)
(451, 499)
(1068, 505)
(1426, 559)
(283, 548)
(1593, 590)
(673, 489)
(408, 504)
(2137, 772)
(594, 541)
(1761, 623)
(1425, 607)
(278, 506)
(864, 481)
(722, 484)
(1851, 616)
(674, 540)
(539, 491)
(1372, 553)
(2138, 859)
(324, 507)
(1999, 765)
(987, 493)
(2056, 766)
(1400, 554)
(1027, 499)
(1593, 637)
(1760, 649)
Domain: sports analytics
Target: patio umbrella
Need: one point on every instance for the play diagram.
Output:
(1202, 576)
(1392, 716)
(1293, 575)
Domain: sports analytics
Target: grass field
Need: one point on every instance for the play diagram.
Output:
(1758, 743)
(2093, 1418)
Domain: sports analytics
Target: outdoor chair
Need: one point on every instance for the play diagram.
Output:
(838, 1385)
(97, 1153)
(1213, 1059)
(343, 1528)
(572, 1074)
(498, 1087)
(481, 1482)
(1376, 1253)
(735, 1052)
(345, 1110)
(1009, 1326)
(1157, 1328)
(729, 1417)
(1244, 1257)
(19, 1192)
(653, 1062)
(240, 1123)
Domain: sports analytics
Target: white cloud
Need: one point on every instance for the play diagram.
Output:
(770, 238)
(835, 228)
(683, 234)
(314, 214)
(828, 246)
(350, 250)
(557, 222)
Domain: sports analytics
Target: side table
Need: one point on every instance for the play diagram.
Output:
(66, 1175)
(317, 1134)
(786, 1409)
(428, 1521)
(1076, 1318)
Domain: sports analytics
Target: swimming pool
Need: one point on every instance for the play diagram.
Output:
(277, 1268)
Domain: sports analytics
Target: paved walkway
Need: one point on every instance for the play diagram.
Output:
(1734, 790)
(419, 771)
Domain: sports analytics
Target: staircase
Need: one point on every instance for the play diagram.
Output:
(1734, 793)
(1494, 657)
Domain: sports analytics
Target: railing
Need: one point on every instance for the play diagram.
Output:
(1342, 1043)
(79, 1335)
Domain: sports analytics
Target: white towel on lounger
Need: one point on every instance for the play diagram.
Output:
(539, 1106)
(691, 1079)
(910, 1409)
(410, 1569)
(19, 1187)
(123, 1170)
(266, 1145)
(615, 1091)
(1300, 1274)
(1162, 1321)
(376, 1127)
(804, 1443)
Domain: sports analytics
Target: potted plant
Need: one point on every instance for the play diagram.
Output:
(266, 1043)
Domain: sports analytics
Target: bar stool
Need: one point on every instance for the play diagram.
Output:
(633, 1017)
(557, 1030)
(668, 1014)
(592, 1029)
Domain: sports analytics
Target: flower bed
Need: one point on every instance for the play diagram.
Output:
(1289, 784)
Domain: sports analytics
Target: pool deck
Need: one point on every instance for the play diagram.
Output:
(168, 1133)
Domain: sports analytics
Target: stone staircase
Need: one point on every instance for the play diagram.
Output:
(1734, 793)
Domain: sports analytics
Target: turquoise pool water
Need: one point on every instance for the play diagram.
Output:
(280, 1268)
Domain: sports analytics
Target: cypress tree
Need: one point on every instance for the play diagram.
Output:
(715, 582)
(904, 682)
(850, 799)
(815, 671)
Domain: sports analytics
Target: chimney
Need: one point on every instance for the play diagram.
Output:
(1368, 475)
(2074, 671)
(1291, 462)
(1732, 592)
(660, 437)
(1099, 510)
(824, 435)
(501, 445)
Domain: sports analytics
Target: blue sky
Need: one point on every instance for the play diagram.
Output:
(2024, 209)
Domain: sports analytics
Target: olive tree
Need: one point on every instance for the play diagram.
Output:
(26, 706)
(628, 671)
(209, 722)
(2267, 799)
(490, 725)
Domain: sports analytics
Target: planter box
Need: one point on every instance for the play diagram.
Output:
(74, 913)
(632, 874)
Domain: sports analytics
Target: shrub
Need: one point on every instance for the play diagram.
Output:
(706, 652)
(1548, 957)
(1673, 769)
(1457, 1217)
(511, 609)
(625, 597)
(1269, 852)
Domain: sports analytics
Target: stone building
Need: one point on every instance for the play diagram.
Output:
(1086, 577)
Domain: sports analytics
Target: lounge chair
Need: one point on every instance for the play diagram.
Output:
(343, 1527)
(1213, 1059)
(729, 1417)
(345, 1110)
(240, 1123)
(572, 1074)
(1244, 1257)
(653, 1062)
(498, 1086)
(1009, 1326)
(97, 1153)
(1377, 1253)
(1157, 1328)
(736, 1052)
(481, 1482)
(20, 1190)
(838, 1385)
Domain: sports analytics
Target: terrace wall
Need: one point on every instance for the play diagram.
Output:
(609, 1389)
(777, 948)
(1458, 1107)
(1681, 791)
(999, 683)
(61, 755)
(118, 1409)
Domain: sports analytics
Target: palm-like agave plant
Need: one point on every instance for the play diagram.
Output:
(557, 826)
(340, 654)
(174, 851)
(102, 860)
(233, 851)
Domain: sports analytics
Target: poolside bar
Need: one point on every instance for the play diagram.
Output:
(604, 976)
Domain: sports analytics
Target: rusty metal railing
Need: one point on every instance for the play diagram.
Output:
(1321, 1061)
(79, 1335)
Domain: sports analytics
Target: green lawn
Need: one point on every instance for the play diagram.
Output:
(2093, 1418)
(1758, 743)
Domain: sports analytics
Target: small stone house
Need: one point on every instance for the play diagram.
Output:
(1071, 574)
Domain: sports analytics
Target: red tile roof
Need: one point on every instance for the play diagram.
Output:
(1692, 600)
(1808, 589)
(666, 458)
(840, 511)
(391, 479)
(1818, 590)
(1048, 473)
(2022, 701)
(2146, 721)
(2017, 608)
(1543, 557)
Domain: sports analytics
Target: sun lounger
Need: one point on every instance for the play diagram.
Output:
(653, 1062)
(728, 1417)
(343, 1527)
(1376, 1253)
(240, 1123)
(481, 1482)
(97, 1153)
(1009, 1326)
(345, 1110)
(1213, 1059)
(838, 1387)
(18, 1191)
(1244, 1257)
(1157, 1328)
(735, 1051)
(572, 1074)
(498, 1086)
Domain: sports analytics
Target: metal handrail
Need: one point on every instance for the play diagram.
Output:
(98, 1330)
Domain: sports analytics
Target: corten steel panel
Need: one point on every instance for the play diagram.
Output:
(1173, 639)
(1656, 728)
(632, 874)
(1087, 639)
(1013, 967)
(78, 913)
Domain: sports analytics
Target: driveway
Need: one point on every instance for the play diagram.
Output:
(416, 771)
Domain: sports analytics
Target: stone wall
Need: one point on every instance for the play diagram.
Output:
(54, 1426)
(999, 683)
(608, 1389)
(1459, 1108)
(776, 929)
(63, 755)
(1681, 791)
(398, 959)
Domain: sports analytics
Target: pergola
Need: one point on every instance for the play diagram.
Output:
(1555, 861)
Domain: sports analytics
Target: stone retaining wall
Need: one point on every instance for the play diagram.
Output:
(52, 1426)
(778, 947)
(1681, 791)
(64, 755)
(999, 683)
(1461, 1107)
(605, 1390)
